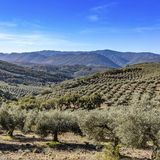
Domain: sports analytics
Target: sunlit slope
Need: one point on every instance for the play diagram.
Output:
(118, 86)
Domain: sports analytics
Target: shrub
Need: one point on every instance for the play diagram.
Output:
(46, 92)
(90, 102)
(110, 153)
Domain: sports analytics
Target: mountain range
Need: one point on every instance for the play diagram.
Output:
(107, 58)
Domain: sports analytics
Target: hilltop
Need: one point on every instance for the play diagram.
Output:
(107, 58)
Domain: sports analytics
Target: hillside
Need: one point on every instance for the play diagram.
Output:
(107, 58)
(37, 74)
(117, 86)
(31, 79)
(12, 73)
(5, 96)
(125, 58)
(70, 71)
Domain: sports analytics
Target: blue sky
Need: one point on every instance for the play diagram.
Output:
(124, 25)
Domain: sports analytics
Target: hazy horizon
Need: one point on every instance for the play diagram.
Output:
(80, 51)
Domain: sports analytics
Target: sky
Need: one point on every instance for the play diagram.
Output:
(79, 25)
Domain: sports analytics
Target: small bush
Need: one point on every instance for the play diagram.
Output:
(110, 153)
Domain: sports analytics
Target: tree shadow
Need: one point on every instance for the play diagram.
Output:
(23, 139)
(18, 147)
(60, 147)
(75, 146)
(22, 143)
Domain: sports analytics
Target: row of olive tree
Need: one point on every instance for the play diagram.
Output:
(68, 101)
(43, 123)
(134, 125)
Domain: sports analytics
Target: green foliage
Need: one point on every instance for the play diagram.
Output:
(110, 153)
(6, 96)
(53, 144)
(11, 119)
(29, 102)
(137, 124)
(17, 91)
(49, 104)
(30, 120)
(90, 102)
(97, 125)
(73, 101)
(54, 123)
(46, 92)
(117, 87)
(133, 126)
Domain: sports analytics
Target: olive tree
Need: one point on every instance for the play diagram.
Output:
(55, 122)
(138, 124)
(12, 118)
(98, 125)
(90, 102)
(74, 100)
(30, 120)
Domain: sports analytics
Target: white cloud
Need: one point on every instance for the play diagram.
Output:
(121, 30)
(20, 24)
(104, 7)
(31, 36)
(99, 12)
(36, 41)
(93, 18)
(147, 28)
(7, 24)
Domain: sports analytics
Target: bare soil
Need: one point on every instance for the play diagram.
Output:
(71, 147)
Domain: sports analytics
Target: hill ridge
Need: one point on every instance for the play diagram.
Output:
(108, 58)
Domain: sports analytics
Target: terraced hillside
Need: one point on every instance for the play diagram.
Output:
(118, 86)
(21, 90)
(20, 81)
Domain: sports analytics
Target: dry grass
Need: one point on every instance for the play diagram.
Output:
(72, 147)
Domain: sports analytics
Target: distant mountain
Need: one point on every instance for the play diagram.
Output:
(107, 58)
(125, 58)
